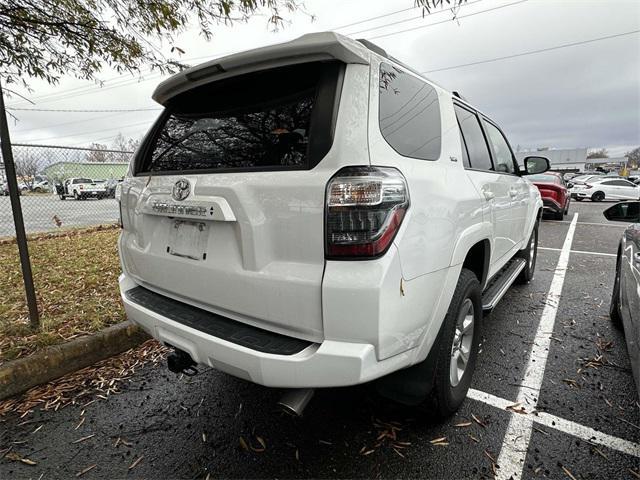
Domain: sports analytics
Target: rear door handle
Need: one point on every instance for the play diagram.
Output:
(489, 195)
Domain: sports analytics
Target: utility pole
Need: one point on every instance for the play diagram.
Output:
(18, 220)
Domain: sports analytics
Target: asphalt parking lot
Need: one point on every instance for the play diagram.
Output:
(39, 212)
(552, 397)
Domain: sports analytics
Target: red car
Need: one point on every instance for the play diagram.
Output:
(555, 195)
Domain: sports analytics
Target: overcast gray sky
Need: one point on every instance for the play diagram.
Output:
(585, 95)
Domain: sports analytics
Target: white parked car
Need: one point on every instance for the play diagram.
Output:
(316, 214)
(605, 188)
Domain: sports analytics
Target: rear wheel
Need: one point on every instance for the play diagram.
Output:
(76, 195)
(558, 215)
(530, 255)
(597, 197)
(458, 347)
(62, 197)
(566, 210)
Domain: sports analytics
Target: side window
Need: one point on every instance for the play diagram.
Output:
(610, 183)
(409, 114)
(503, 158)
(477, 149)
(623, 183)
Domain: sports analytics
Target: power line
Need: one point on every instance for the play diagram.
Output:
(531, 52)
(81, 134)
(457, 17)
(71, 110)
(341, 27)
(414, 18)
(83, 120)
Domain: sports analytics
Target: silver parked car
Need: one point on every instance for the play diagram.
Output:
(625, 300)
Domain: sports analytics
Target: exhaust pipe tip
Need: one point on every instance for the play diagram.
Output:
(295, 401)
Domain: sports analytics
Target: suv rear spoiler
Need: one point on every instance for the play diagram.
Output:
(307, 48)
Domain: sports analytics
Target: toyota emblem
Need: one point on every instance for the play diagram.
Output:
(181, 189)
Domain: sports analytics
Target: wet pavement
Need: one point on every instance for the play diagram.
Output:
(215, 425)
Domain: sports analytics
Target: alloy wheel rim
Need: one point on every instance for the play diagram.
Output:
(462, 342)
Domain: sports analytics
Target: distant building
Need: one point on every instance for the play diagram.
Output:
(606, 163)
(60, 171)
(562, 160)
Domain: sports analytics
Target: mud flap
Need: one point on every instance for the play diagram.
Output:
(411, 386)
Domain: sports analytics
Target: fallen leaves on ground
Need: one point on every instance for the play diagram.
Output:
(97, 381)
(16, 457)
(517, 408)
(387, 435)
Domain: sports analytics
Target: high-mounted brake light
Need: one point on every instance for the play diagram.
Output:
(365, 208)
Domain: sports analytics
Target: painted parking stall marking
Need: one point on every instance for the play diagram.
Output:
(516, 439)
(587, 434)
(581, 252)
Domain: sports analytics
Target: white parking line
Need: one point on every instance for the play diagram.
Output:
(589, 223)
(583, 252)
(516, 439)
(565, 426)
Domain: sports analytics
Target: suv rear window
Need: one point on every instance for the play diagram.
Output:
(274, 119)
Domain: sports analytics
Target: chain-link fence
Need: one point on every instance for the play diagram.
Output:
(63, 187)
(67, 200)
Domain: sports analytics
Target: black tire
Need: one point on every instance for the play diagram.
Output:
(76, 196)
(597, 197)
(614, 308)
(566, 210)
(62, 197)
(447, 396)
(530, 255)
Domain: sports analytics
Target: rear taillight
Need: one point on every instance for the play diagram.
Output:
(365, 208)
(81, 187)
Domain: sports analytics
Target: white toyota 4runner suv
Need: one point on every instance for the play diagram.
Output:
(316, 214)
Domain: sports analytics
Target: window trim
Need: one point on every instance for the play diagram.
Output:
(329, 86)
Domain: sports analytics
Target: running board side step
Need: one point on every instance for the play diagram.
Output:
(501, 282)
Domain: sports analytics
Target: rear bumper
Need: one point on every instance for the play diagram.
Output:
(551, 205)
(327, 364)
(580, 195)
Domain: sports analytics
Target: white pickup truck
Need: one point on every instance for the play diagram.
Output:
(317, 214)
(81, 189)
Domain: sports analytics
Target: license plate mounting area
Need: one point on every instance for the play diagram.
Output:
(188, 239)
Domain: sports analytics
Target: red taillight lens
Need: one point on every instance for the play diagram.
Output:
(81, 187)
(365, 208)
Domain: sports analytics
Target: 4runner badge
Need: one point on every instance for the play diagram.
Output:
(181, 189)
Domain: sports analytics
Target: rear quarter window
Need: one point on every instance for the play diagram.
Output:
(409, 114)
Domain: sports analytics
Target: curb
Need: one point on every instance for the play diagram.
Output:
(18, 376)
